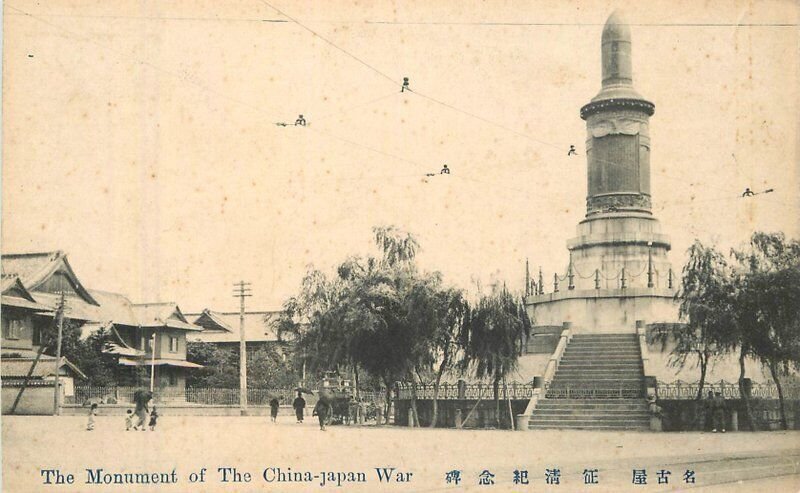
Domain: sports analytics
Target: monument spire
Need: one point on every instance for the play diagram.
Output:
(616, 51)
(618, 139)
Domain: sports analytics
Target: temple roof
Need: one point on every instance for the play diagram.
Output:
(225, 329)
(162, 314)
(33, 269)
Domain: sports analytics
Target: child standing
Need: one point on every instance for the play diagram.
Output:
(153, 418)
(92, 414)
(129, 420)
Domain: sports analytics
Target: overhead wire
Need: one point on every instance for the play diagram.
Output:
(223, 95)
(448, 105)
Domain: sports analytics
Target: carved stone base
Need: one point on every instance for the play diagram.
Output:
(614, 203)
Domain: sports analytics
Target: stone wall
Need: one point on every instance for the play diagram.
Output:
(35, 400)
(603, 310)
(684, 415)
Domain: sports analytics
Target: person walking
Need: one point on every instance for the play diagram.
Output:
(274, 405)
(299, 406)
(129, 420)
(322, 410)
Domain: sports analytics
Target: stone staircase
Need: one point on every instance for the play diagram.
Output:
(599, 385)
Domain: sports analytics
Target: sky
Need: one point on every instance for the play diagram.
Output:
(140, 137)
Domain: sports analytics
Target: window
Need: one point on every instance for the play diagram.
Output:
(173, 344)
(13, 329)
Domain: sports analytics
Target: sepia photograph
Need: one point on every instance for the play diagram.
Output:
(423, 246)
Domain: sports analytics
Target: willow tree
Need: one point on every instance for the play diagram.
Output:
(492, 339)
(767, 305)
(703, 298)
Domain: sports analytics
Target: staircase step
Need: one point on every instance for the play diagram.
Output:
(592, 413)
(604, 350)
(630, 370)
(597, 402)
(582, 379)
(600, 364)
(598, 360)
(603, 337)
(596, 418)
(632, 344)
(599, 384)
(605, 408)
(609, 358)
(599, 374)
(590, 424)
(642, 427)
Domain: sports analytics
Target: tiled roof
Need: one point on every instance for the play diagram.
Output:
(35, 268)
(28, 266)
(15, 294)
(257, 326)
(212, 321)
(114, 307)
(161, 314)
(29, 270)
(46, 367)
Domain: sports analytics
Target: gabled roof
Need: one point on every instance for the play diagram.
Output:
(14, 294)
(115, 308)
(12, 286)
(257, 327)
(46, 367)
(162, 314)
(212, 321)
(33, 269)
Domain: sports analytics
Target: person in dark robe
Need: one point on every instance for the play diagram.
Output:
(142, 399)
(274, 405)
(323, 410)
(719, 413)
(708, 411)
(299, 406)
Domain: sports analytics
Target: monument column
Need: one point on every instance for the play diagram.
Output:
(620, 231)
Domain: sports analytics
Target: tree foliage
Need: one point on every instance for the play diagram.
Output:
(266, 367)
(748, 306)
(493, 338)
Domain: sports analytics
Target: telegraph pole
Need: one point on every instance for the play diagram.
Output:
(242, 291)
(62, 305)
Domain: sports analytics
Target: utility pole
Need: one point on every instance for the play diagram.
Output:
(242, 291)
(152, 361)
(62, 305)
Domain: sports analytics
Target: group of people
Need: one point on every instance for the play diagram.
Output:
(323, 410)
(149, 418)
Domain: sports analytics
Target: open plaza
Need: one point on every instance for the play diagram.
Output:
(252, 445)
(604, 331)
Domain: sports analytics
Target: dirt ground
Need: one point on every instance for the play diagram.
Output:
(348, 458)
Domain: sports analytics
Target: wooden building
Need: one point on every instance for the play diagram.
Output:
(144, 335)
